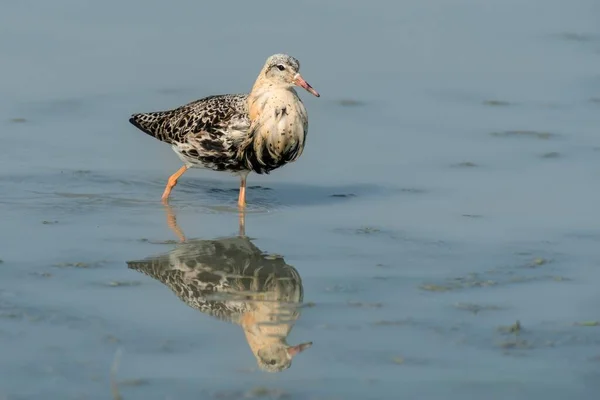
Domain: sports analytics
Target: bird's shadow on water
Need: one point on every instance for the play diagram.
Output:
(117, 188)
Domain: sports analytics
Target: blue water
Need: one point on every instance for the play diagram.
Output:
(449, 188)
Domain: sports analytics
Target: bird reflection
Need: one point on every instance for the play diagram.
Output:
(233, 280)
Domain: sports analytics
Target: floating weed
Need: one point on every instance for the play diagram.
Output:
(472, 215)
(588, 323)
(359, 304)
(368, 230)
(538, 262)
(435, 288)
(257, 187)
(515, 344)
(525, 133)
(497, 103)
(81, 264)
(18, 120)
(465, 164)
(471, 280)
(123, 283)
(552, 154)
(398, 360)
(514, 328)
(476, 308)
(343, 195)
(42, 274)
(73, 265)
(49, 222)
(168, 241)
(413, 190)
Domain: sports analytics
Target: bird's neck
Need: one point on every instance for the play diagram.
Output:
(265, 93)
(265, 326)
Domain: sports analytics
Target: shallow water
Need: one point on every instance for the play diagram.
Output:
(448, 190)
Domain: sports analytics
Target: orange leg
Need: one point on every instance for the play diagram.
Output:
(172, 182)
(242, 197)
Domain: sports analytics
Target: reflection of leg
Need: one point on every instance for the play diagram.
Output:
(172, 182)
(242, 221)
(172, 223)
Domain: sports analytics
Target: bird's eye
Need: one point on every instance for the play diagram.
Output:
(281, 67)
(272, 362)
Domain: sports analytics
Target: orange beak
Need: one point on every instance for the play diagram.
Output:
(293, 350)
(298, 80)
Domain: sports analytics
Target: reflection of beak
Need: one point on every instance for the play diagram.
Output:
(293, 350)
(298, 80)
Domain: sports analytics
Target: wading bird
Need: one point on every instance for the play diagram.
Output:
(239, 133)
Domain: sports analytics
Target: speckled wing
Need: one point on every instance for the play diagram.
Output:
(207, 131)
(211, 116)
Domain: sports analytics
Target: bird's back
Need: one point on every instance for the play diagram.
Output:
(211, 116)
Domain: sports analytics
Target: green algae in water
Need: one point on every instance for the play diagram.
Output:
(588, 323)
(514, 328)
(538, 262)
(398, 360)
(435, 288)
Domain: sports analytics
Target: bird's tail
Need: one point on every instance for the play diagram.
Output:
(150, 123)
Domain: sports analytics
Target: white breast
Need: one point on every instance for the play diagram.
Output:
(281, 124)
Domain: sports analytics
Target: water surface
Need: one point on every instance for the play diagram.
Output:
(449, 188)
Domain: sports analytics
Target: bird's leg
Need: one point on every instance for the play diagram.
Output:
(172, 182)
(242, 197)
